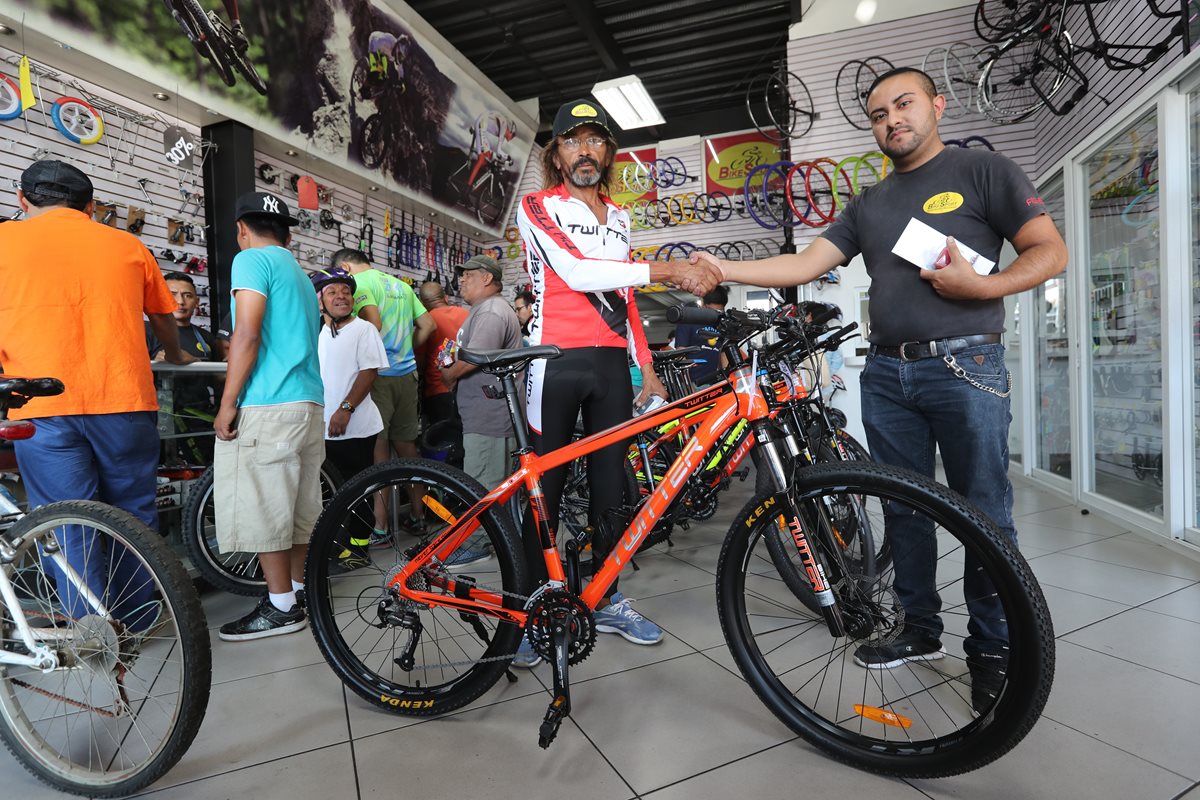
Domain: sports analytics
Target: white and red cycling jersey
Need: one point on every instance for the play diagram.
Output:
(581, 274)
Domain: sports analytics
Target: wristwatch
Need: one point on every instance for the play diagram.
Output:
(345, 406)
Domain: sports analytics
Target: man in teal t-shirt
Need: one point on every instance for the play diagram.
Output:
(390, 305)
(270, 424)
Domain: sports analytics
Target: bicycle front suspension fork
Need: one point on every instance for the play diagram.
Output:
(809, 556)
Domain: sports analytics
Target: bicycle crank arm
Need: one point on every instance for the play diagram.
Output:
(560, 707)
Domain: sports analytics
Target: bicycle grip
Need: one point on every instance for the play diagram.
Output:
(692, 315)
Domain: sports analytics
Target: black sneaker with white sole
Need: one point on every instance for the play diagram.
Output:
(910, 645)
(265, 620)
(988, 674)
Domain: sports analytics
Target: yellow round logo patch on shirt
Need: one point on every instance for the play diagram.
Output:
(943, 203)
(583, 110)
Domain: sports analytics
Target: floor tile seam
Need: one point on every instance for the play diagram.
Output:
(676, 591)
(412, 721)
(1116, 564)
(664, 787)
(1192, 681)
(1044, 510)
(1094, 596)
(240, 768)
(636, 794)
(1059, 636)
(271, 672)
(1097, 536)
(353, 754)
(582, 681)
(1117, 747)
(1186, 790)
(1066, 551)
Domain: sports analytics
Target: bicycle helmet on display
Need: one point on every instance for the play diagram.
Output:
(323, 277)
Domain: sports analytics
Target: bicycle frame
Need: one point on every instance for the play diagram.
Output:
(737, 399)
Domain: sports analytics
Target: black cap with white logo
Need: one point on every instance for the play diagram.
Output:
(265, 205)
(580, 112)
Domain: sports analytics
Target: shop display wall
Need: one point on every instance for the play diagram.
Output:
(126, 166)
(1125, 21)
(340, 222)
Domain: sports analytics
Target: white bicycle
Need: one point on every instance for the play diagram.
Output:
(104, 681)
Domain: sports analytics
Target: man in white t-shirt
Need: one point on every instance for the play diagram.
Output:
(351, 353)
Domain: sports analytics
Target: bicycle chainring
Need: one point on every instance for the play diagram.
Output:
(702, 504)
(561, 607)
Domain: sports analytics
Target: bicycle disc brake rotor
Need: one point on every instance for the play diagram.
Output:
(558, 608)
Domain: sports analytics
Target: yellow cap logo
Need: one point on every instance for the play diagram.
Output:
(943, 203)
(583, 110)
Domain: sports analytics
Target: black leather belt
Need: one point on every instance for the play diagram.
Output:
(911, 351)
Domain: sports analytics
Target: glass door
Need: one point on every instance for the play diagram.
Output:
(1052, 374)
(1125, 319)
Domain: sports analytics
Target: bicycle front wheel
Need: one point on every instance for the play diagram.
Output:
(978, 690)
(128, 689)
(402, 656)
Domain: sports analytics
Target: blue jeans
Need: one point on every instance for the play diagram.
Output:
(112, 458)
(909, 407)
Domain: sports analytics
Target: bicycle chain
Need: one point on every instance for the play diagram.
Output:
(104, 712)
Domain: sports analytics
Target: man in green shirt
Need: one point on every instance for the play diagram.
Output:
(390, 305)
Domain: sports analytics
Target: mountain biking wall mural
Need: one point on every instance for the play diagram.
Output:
(346, 80)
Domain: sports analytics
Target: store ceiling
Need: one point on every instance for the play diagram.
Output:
(695, 57)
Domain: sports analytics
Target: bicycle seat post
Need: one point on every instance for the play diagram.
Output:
(520, 427)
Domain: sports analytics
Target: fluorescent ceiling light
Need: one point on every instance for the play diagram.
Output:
(626, 101)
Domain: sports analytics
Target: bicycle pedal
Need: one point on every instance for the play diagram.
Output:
(742, 473)
(555, 714)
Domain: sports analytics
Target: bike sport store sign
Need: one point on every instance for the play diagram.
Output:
(729, 159)
(345, 80)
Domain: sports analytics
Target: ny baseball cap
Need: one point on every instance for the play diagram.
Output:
(266, 205)
(56, 179)
(580, 112)
(486, 263)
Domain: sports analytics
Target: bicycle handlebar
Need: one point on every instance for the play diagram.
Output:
(693, 315)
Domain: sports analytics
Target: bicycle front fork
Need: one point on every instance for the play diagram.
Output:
(810, 557)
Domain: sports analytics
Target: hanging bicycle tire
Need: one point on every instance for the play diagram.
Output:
(130, 688)
(854, 80)
(1020, 78)
(10, 99)
(400, 656)
(919, 719)
(207, 40)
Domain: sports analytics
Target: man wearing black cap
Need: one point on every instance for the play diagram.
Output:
(578, 256)
(270, 425)
(72, 295)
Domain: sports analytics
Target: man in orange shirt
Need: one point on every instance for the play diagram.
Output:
(436, 399)
(72, 295)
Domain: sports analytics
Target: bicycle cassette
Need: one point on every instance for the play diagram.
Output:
(560, 607)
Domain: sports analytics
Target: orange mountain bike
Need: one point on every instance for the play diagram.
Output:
(418, 638)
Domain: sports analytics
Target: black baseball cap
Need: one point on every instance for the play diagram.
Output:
(56, 179)
(265, 205)
(580, 112)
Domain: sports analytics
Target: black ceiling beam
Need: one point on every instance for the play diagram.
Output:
(596, 32)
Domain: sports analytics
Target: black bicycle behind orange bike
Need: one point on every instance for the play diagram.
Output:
(414, 637)
(214, 40)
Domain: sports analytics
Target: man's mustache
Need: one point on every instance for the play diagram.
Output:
(586, 160)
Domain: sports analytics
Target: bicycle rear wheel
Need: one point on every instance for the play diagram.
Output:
(234, 572)
(917, 719)
(363, 628)
(129, 688)
(370, 145)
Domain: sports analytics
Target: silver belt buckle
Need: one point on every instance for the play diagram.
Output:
(904, 352)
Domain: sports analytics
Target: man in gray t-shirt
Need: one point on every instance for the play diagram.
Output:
(490, 325)
(935, 376)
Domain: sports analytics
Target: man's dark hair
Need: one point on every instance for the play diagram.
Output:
(267, 227)
(179, 276)
(39, 200)
(349, 255)
(719, 296)
(525, 295)
(926, 82)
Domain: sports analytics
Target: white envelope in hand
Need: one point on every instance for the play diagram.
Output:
(921, 245)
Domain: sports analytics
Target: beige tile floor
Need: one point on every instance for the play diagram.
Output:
(676, 721)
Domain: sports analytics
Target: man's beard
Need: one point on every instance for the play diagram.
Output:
(900, 151)
(583, 181)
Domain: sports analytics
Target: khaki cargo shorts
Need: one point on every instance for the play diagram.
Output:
(266, 484)
(396, 398)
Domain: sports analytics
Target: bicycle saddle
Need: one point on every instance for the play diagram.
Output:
(498, 360)
(31, 387)
(679, 354)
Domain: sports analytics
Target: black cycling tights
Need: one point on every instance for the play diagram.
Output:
(594, 382)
